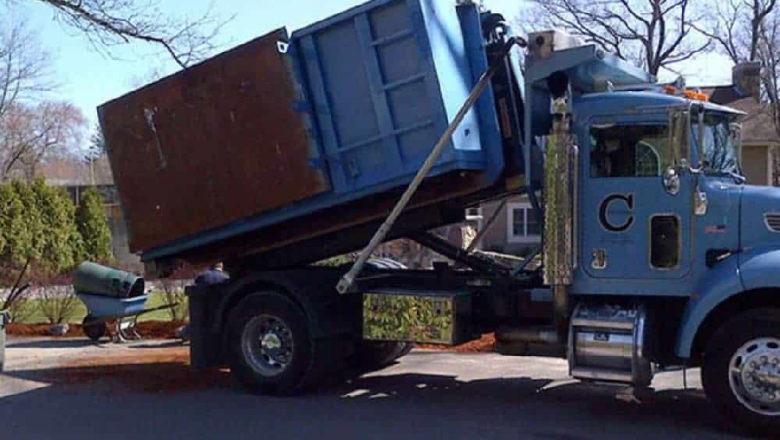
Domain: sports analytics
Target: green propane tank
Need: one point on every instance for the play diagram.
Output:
(92, 278)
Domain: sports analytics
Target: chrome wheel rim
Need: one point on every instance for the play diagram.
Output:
(754, 376)
(267, 343)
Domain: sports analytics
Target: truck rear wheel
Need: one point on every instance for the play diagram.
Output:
(271, 346)
(741, 370)
(374, 355)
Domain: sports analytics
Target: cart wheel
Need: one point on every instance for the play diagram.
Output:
(94, 328)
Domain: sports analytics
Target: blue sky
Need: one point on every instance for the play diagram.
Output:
(89, 78)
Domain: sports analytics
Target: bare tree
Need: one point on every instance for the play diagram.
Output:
(736, 26)
(769, 54)
(654, 34)
(173, 295)
(25, 67)
(749, 30)
(109, 23)
(30, 134)
(57, 303)
(15, 301)
(152, 74)
(30, 128)
(174, 298)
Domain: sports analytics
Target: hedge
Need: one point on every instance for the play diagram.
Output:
(40, 223)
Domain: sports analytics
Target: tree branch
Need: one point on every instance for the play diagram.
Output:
(110, 22)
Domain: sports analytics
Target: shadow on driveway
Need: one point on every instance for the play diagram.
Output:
(51, 343)
(174, 401)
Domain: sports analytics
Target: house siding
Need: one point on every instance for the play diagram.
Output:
(755, 161)
(499, 238)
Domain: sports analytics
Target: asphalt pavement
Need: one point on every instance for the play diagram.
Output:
(71, 389)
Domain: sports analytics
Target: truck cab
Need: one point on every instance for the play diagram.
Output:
(661, 201)
(657, 252)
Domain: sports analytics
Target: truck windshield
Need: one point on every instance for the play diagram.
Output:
(718, 150)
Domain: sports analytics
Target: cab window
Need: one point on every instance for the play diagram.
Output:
(629, 150)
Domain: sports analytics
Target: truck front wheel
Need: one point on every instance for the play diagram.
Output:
(271, 348)
(741, 370)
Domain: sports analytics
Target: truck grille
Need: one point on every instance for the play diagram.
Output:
(772, 221)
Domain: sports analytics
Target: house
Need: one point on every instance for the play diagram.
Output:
(517, 231)
(759, 137)
(76, 176)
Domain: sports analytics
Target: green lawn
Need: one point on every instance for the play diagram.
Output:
(155, 300)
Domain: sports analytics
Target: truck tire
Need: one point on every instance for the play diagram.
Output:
(271, 346)
(375, 355)
(741, 371)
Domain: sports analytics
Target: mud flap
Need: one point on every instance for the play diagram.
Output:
(205, 343)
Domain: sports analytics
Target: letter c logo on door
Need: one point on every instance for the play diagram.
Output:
(606, 210)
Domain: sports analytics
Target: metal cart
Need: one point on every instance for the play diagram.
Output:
(122, 313)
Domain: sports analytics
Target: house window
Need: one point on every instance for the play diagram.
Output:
(474, 213)
(523, 225)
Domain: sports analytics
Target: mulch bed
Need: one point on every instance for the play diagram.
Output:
(147, 329)
(167, 330)
(485, 344)
(166, 370)
(163, 370)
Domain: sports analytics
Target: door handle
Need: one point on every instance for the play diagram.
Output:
(599, 261)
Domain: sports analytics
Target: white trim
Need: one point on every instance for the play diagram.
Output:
(511, 237)
(477, 216)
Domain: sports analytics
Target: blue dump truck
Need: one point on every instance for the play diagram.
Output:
(393, 118)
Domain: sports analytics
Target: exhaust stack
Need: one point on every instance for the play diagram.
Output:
(559, 172)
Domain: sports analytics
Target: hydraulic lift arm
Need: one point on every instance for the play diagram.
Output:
(346, 283)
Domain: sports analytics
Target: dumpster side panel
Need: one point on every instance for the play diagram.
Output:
(211, 145)
(385, 79)
(447, 48)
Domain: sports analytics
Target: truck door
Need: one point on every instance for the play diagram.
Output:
(636, 210)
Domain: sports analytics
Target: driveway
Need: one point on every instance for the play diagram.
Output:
(71, 389)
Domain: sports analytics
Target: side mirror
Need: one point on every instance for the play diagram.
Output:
(671, 180)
